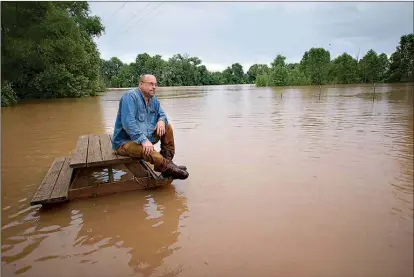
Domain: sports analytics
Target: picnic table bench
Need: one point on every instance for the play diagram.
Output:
(94, 169)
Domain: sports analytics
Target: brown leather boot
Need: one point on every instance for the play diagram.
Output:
(182, 167)
(169, 156)
(173, 171)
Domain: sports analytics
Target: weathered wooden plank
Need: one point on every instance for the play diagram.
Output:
(137, 169)
(120, 157)
(108, 154)
(96, 150)
(94, 157)
(46, 187)
(78, 158)
(150, 170)
(61, 189)
(116, 187)
(109, 157)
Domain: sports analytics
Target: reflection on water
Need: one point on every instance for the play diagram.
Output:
(121, 235)
(282, 182)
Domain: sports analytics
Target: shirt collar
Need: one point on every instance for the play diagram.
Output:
(138, 91)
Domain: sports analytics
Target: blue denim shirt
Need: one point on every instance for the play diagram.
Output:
(134, 120)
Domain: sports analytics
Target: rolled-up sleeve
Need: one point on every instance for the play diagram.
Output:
(129, 124)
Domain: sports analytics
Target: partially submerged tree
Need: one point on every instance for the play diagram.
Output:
(48, 49)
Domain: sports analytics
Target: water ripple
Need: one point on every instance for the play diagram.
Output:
(341, 165)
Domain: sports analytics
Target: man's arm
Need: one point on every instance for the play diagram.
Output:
(128, 112)
(161, 115)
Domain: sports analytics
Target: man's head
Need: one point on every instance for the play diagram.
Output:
(147, 84)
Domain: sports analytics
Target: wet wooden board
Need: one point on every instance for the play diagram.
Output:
(120, 157)
(152, 173)
(100, 152)
(109, 157)
(78, 158)
(60, 192)
(116, 187)
(55, 185)
(106, 147)
(95, 150)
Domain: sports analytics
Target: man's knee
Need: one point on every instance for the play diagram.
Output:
(169, 128)
(132, 148)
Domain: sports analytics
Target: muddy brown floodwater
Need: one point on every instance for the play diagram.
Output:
(281, 183)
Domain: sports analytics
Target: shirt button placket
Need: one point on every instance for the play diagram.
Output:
(148, 124)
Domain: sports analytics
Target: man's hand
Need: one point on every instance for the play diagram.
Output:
(160, 127)
(147, 148)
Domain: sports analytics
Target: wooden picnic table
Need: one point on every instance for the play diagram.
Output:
(74, 177)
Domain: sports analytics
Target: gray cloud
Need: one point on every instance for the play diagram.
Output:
(223, 33)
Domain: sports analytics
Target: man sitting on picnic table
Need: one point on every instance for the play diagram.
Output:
(141, 123)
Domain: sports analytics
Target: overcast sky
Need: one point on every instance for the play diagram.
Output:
(224, 33)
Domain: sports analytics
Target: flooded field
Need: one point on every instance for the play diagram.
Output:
(283, 182)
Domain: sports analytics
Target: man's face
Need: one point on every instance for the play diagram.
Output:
(148, 86)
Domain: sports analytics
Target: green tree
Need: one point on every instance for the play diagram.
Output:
(292, 66)
(217, 78)
(278, 61)
(205, 76)
(401, 68)
(255, 70)
(344, 70)
(238, 74)
(180, 70)
(109, 69)
(279, 76)
(278, 73)
(315, 63)
(383, 67)
(369, 67)
(146, 64)
(234, 74)
(48, 49)
(262, 80)
(126, 77)
(296, 77)
(8, 95)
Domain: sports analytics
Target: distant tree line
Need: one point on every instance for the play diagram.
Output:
(179, 70)
(48, 51)
(315, 68)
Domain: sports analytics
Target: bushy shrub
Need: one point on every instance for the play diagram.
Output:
(8, 95)
(262, 80)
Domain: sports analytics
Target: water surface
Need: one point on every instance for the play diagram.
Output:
(283, 182)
